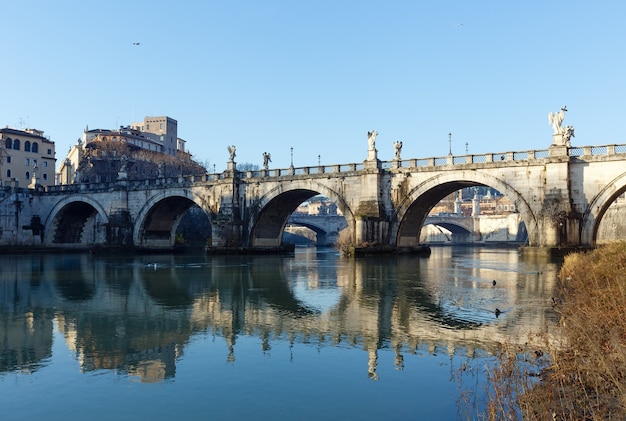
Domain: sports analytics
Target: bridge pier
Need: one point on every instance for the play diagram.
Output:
(370, 231)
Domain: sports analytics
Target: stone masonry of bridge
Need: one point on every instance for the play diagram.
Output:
(561, 194)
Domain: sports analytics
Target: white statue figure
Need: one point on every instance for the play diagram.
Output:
(398, 148)
(231, 151)
(161, 169)
(556, 119)
(371, 139)
(123, 162)
(567, 135)
(267, 158)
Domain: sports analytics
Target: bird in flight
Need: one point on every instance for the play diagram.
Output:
(135, 43)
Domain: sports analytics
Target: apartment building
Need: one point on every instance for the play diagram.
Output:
(29, 158)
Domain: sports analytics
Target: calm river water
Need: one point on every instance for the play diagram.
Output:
(305, 336)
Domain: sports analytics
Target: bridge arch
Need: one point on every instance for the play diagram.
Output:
(413, 209)
(267, 222)
(456, 229)
(72, 219)
(598, 207)
(326, 227)
(158, 219)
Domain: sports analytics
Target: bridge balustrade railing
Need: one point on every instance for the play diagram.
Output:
(578, 152)
(337, 168)
(599, 150)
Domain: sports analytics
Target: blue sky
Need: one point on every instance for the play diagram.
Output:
(318, 75)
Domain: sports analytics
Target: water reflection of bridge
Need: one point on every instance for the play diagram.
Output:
(137, 315)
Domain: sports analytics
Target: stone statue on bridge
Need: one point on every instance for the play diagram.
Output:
(556, 120)
(371, 139)
(562, 135)
(267, 158)
(398, 148)
(567, 135)
(231, 151)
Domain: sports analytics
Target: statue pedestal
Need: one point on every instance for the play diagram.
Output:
(372, 161)
(231, 166)
(372, 154)
(558, 147)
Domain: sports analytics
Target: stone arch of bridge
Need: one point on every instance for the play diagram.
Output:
(453, 228)
(268, 220)
(412, 211)
(598, 207)
(158, 219)
(68, 219)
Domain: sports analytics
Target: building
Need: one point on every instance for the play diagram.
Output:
(162, 129)
(154, 134)
(29, 158)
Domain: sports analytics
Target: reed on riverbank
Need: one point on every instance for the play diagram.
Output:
(586, 378)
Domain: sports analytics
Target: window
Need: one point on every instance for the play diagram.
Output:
(506, 207)
(8, 173)
(45, 176)
(34, 147)
(161, 126)
(9, 143)
(27, 146)
(8, 159)
(512, 208)
(49, 151)
(45, 164)
(27, 162)
(16, 144)
(28, 175)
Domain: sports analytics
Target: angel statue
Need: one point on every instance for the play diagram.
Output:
(267, 158)
(556, 120)
(371, 139)
(231, 151)
(567, 135)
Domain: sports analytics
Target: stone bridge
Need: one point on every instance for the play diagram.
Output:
(326, 227)
(561, 194)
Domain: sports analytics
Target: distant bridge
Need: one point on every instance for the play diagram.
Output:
(326, 227)
(561, 194)
(462, 229)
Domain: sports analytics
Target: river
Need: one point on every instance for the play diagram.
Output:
(311, 335)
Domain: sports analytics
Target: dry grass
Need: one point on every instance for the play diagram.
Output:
(587, 376)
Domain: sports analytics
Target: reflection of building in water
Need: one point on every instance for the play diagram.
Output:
(138, 318)
(26, 312)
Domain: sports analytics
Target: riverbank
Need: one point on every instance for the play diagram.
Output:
(586, 377)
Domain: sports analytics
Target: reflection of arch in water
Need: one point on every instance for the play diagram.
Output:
(258, 280)
(369, 281)
(72, 279)
(165, 288)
